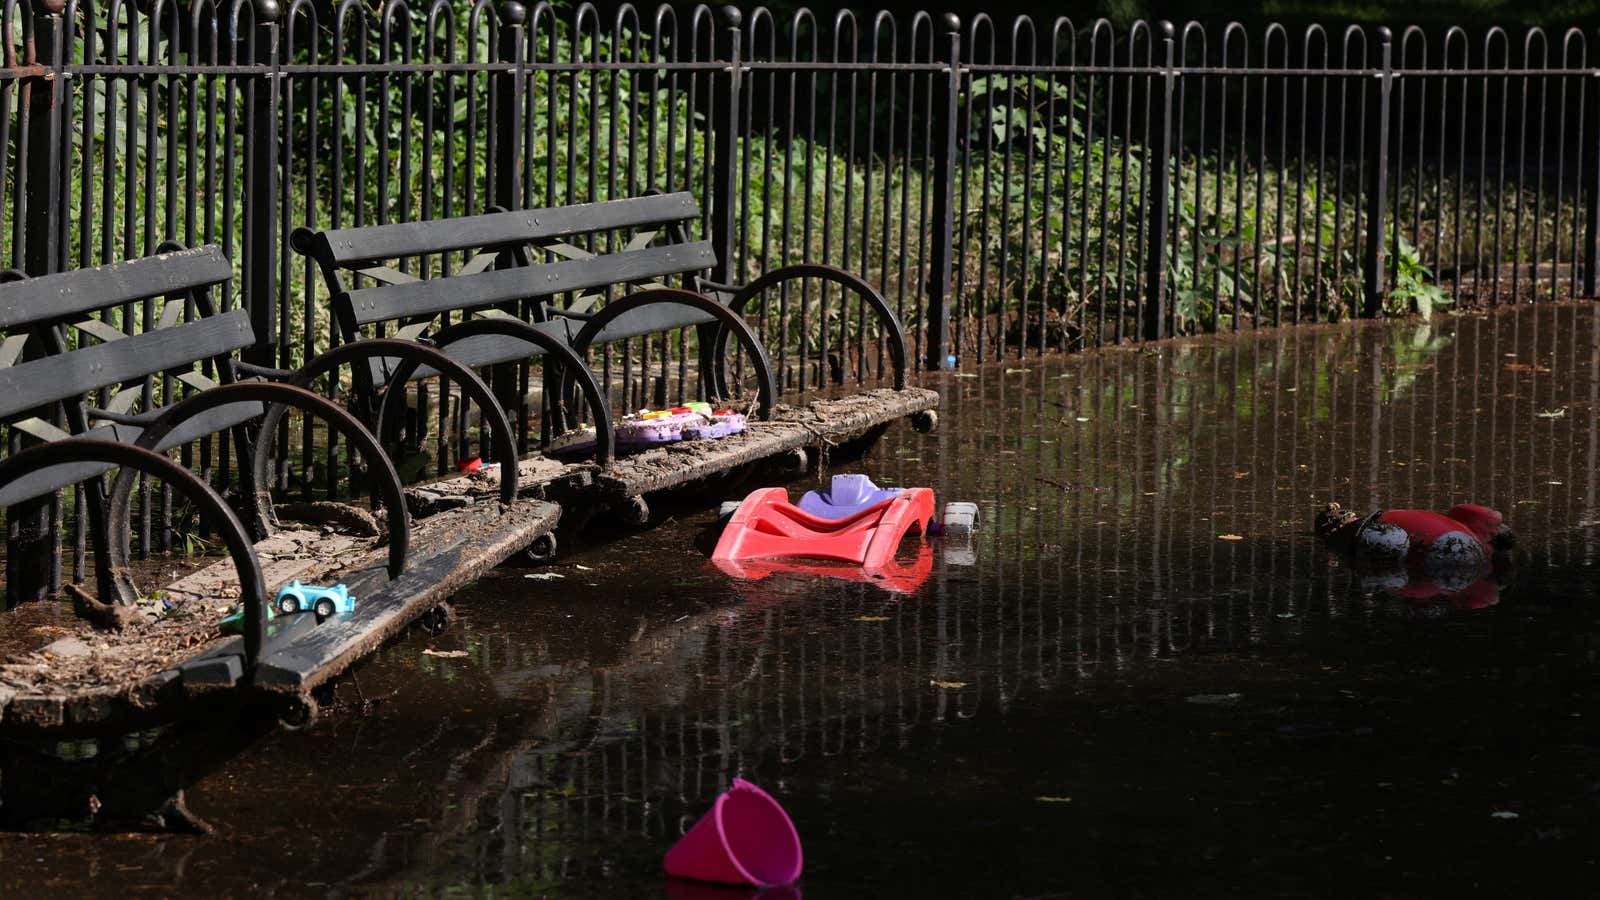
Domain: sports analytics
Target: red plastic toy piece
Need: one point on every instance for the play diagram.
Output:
(768, 526)
(896, 577)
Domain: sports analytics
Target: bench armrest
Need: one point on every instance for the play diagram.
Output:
(119, 418)
(243, 368)
(707, 286)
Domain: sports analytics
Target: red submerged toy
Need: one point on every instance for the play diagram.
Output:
(1465, 537)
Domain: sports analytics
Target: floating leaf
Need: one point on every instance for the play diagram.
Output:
(1230, 537)
(446, 654)
(1048, 799)
(1553, 413)
(544, 576)
(872, 618)
(948, 684)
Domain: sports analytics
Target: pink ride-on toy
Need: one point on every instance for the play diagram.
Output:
(767, 526)
(853, 521)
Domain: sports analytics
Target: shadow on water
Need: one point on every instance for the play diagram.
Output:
(1143, 676)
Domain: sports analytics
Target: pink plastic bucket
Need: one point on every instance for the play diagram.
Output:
(746, 838)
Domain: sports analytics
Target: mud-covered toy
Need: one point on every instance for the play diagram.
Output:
(1466, 537)
(654, 427)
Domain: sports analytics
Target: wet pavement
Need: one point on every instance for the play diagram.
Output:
(1143, 677)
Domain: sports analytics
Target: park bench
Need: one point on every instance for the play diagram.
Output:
(92, 387)
(521, 262)
(159, 387)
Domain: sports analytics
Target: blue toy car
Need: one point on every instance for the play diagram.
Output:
(296, 597)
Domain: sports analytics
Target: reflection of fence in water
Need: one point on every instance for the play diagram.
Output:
(1055, 602)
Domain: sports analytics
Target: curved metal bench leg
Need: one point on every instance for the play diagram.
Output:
(898, 347)
(275, 395)
(417, 354)
(728, 319)
(571, 366)
(132, 459)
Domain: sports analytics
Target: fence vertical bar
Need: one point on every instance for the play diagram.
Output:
(725, 121)
(31, 544)
(260, 248)
(940, 280)
(506, 192)
(1160, 191)
(1375, 255)
(1591, 204)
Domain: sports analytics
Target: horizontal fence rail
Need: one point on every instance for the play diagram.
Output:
(1010, 187)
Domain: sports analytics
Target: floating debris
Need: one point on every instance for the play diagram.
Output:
(1504, 814)
(1559, 413)
(1047, 799)
(1214, 699)
(446, 654)
(544, 576)
(872, 618)
(1230, 537)
(952, 685)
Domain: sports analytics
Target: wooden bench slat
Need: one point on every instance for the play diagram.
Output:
(123, 400)
(402, 301)
(351, 247)
(72, 374)
(99, 329)
(12, 348)
(55, 297)
(34, 426)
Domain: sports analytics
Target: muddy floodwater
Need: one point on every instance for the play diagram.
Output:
(1143, 677)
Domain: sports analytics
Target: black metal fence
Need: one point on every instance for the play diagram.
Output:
(1011, 187)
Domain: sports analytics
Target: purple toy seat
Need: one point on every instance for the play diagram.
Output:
(847, 495)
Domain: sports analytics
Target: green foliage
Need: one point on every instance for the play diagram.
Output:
(1413, 291)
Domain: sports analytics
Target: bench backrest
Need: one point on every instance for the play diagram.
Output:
(519, 256)
(38, 312)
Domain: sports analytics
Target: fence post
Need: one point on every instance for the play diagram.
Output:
(1374, 253)
(940, 275)
(1591, 248)
(507, 173)
(724, 120)
(1160, 192)
(30, 546)
(260, 245)
(507, 193)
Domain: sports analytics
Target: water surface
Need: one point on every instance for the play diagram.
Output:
(1142, 678)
